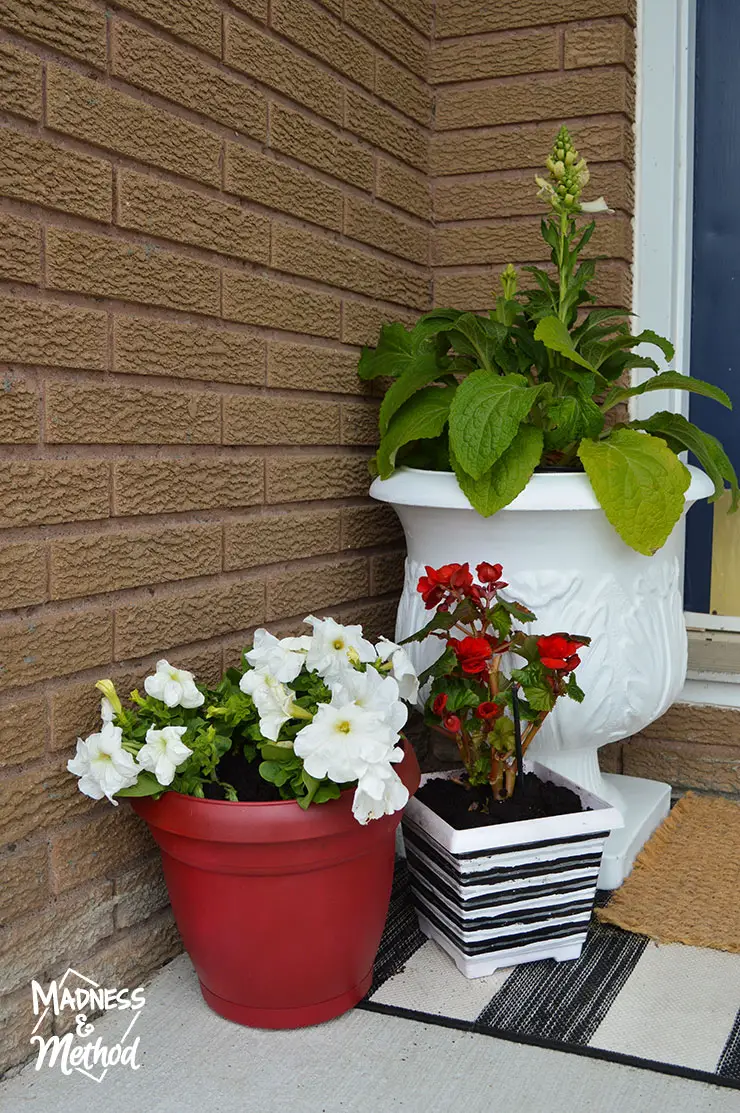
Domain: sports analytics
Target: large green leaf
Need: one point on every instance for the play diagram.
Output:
(422, 417)
(484, 418)
(573, 416)
(422, 369)
(667, 380)
(598, 352)
(508, 477)
(393, 354)
(682, 434)
(555, 336)
(640, 484)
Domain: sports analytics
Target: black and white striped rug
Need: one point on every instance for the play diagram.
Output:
(666, 1007)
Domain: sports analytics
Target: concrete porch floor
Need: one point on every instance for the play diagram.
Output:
(363, 1062)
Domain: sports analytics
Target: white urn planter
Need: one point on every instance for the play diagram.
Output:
(564, 560)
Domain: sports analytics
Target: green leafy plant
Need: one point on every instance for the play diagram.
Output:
(539, 383)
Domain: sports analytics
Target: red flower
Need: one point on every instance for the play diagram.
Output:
(491, 574)
(558, 652)
(452, 724)
(489, 711)
(438, 581)
(472, 653)
(440, 702)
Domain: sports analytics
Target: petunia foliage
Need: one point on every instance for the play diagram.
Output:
(540, 383)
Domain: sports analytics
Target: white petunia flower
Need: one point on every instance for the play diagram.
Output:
(274, 702)
(107, 710)
(102, 764)
(174, 687)
(401, 668)
(282, 658)
(335, 649)
(373, 692)
(162, 752)
(342, 742)
(380, 791)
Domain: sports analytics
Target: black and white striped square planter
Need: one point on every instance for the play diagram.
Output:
(510, 893)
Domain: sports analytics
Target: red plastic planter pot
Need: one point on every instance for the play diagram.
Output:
(281, 910)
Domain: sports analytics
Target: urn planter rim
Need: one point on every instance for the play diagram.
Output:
(545, 491)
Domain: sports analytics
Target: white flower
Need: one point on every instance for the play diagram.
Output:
(342, 742)
(102, 764)
(335, 649)
(375, 693)
(380, 791)
(273, 701)
(162, 752)
(402, 668)
(597, 206)
(107, 710)
(174, 687)
(282, 658)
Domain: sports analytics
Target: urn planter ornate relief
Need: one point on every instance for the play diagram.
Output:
(563, 559)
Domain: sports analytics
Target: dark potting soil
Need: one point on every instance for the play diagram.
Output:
(234, 769)
(464, 806)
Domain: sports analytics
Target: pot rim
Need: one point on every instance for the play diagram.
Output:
(556, 490)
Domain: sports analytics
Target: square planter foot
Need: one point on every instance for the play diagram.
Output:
(643, 805)
(481, 966)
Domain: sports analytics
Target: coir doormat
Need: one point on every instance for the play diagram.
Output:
(685, 885)
(670, 1008)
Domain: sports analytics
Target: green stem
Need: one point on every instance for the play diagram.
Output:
(562, 269)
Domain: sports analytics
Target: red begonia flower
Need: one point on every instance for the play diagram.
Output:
(489, 711)
(440, 702)
(472, 653)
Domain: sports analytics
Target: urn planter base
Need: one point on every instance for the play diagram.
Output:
(643, 807)
(508, 893)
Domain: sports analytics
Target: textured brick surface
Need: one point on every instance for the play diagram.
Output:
(42, 492)
(468, 17)
(312, 367)
(365, 526)
(499, 57)
(265, 301)
(168, 486)
(23, 730)
(19, 412)
(22, 575)
(309, 28)
(360, 423)
(520, 239)
(292, 133)
(389, 32)
(326, 586)
(709, 767)
(36, 648)
(373, 225)
(20, 248)
(273, 183)
(139, 893)
(361, 321)
(407, 93)
(131, 416)
(75, 27)
(403, 188)
(97, 848)
(386, 129)
(47, 333)
(297, 478)
(150, 346)
(257, 419)
(273, 538)
(37, 799)
(20, 81)
(45, 174)
(197, 22)
(25, 885)
(599, 44)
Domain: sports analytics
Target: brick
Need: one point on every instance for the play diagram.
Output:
(278, 66)
(403, 189)
(684, 765)
(44, 174)
(514, 238)
(326, 39)
(73, 415)
(151, 346)
(262, 179)
(62, 933)
(475, 151)
(130, 958)
(256, 8)
(23, 731)
(139, 893)
(311, 256)
(418, 12)
(372, 225)
(97, 848)
(163, 209)
(468, 17)
(150, 63)
(504, 56)
(610, 758)
(390, 33)
(273, 538)
(19, 413)
(259, 419)
(298, 478)
(359, 423)
(38, 799)
(696, 724)
(325, 587)
(42, 332)
(100, 115)
(381, 127)
(177, 619)
(194, 21)
(583, 94)
(516, 195)
(25, 885)
(20, 249)
(309, 367)
(366, 526)
(129, 558)
(18, 1020)
(334, 6)
(264, 301)
(172, 486)
(53, 645)
(43, 492)
(405, 92)
(20, 82)
(600, 44)
(296, 135)
(378, 619)
(22, 575)
(75, 27)
(105, 267)
(361, 322)
(472, 291)
(386, 573)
